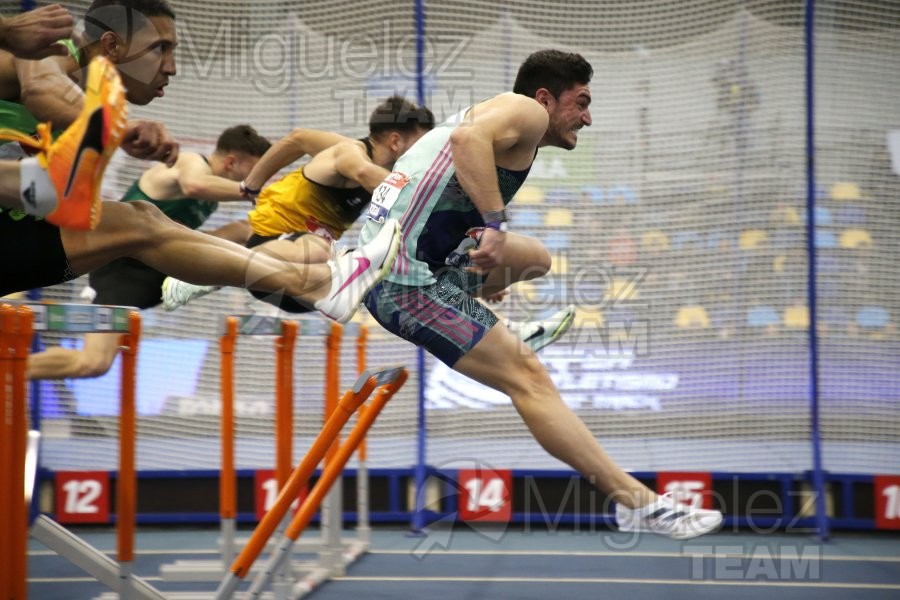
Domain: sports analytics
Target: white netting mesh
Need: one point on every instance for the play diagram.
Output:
(858, 210)
(697, 140)
(678, 224)
(276, 66)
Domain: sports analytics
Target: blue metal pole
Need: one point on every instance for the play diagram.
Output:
(818, 474)
(35, 409)
(420, 50)
(418, 516)
(35, 386)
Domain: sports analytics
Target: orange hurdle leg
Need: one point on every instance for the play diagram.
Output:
(329, 475)
(346, 407)
(7, 327)
(126, 486)
(19, 526)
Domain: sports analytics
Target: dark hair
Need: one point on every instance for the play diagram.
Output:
(242, 138)
(553, 70)
(122, 17)
(400, 115)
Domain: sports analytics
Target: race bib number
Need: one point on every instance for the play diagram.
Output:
(385, 195)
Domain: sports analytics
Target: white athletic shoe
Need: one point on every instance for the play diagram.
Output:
(355, 273)
(668, 518)
(539, 334)
(88, 294)
(177, 293)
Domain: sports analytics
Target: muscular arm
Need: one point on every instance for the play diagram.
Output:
(49, 94)
(351, 162)
(196, 181)
(502, 131)
(288, 149)
(47, 91)
(505, 131)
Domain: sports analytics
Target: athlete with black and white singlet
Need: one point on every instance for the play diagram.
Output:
(449, 194)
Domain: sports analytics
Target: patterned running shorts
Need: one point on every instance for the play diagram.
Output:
(442, 317)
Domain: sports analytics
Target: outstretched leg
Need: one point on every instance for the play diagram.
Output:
(140, 230)
(62, 183)
(306, 249)
(500, 361)
(465, 335)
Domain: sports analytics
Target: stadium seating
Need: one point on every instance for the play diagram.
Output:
(750, 239)
(762, 316)
(855, 238)
(692, 317)
(796, 317)
(845, 191)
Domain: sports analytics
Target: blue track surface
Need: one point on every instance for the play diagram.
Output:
(521, 564)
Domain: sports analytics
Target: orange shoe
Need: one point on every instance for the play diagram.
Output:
(76, 160)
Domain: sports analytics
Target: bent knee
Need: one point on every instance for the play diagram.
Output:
(540, 262)
(145, 211)
(318, 254)
(530, 378)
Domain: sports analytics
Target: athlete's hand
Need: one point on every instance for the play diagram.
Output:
(33, 34)
(150, 140)
(489, 253)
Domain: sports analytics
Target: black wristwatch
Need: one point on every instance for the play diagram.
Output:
(496, 219)
(249, 193)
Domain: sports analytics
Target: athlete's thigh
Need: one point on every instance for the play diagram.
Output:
(123, 228)
(524, 258)
(305, 249)
(501, 360)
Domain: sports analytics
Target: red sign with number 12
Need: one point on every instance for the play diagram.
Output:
(82, 496)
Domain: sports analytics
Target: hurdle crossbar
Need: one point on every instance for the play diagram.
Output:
(388, 381)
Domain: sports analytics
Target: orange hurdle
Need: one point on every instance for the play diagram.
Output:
(126, 486)
(363, 528)
(228, 480)
(15, 338)
(388, 382)
(16, 329)
(333, 547)
(284, 401)
(284, 413)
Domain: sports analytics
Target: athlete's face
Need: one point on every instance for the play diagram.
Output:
(147, 60)
(568, 113)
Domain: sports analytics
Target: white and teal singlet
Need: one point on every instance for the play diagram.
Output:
(434, 212)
